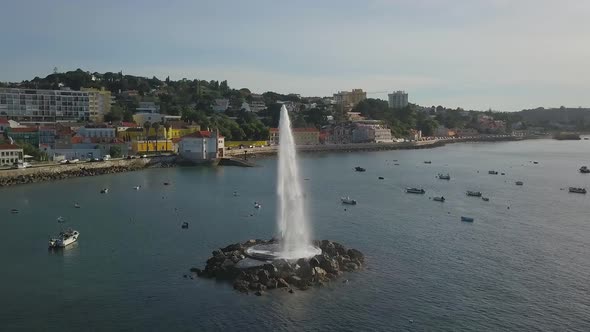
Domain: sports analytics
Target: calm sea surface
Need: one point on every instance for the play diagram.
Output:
(526, 267)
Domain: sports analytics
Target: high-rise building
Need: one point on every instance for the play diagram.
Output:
(398, 99)
(44, 106)
(99, 102)
(349, 99)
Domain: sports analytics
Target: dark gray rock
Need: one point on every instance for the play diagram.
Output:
(355, 254)
(281, 283)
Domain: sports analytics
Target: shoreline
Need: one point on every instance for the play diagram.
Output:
(56, 172)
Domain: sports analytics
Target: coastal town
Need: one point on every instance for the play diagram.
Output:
(67, 119)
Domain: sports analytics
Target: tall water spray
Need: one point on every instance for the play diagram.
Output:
(292, 219)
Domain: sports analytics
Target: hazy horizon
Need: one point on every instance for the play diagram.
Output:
(505, 55)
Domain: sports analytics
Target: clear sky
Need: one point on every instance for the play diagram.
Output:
(476, 54)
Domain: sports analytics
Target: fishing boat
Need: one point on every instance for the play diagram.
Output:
(359, 169)
(347, 200)
(444, 176)
(576, 190)
(584, 170)
(64, 239)
(415, 191)
(473, 193)
(519, 183)
(466, 219)
(439, 199)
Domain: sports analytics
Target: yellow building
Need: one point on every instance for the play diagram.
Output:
(140, 147)
(301, 136)
(176, 130)
(99, 103)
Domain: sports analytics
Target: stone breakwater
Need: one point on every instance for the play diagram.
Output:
(248, 275)
(60, 172)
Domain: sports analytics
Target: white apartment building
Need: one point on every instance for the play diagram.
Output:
(44, 106)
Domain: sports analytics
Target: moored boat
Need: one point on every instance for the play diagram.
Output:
(493, 172)
(184, 225)
(347, 200)
(439, 199)
(415, 191)
(576, 190)
(584, 170)
(64, 239)
(428, 162)
(519, 183)
(485, 199)
(14, 211)
(359, 169)
(104, 191)
(466, 219)
(61, 219)
(473, 193)
(444, 176)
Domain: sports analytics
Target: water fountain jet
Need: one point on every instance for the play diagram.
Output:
(293, 224)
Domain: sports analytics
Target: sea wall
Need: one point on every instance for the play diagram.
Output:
(60, 172)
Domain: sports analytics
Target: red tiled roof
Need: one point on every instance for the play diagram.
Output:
(3, 121)
(176, 140)
(23, 130)
(274, 130)
(199, 134)
(128, 124)
(9, 147)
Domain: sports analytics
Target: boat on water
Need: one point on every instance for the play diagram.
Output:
(381, 178)
(166, 183)
(444, 176)
(415, 191)
(535, 162)
(584, 170)
(439, 199)
(136, 187)
(257, 205)
(64, 239)
(519, 183)
(485, 199)
(347, 200)
(428, 162)
(76, 205)
(14, 211)
(576, 190)
(493, 172)
(359, 169)
(104, 191)
(473, 193)
(61, 219)
(184, 225)
(466, 219)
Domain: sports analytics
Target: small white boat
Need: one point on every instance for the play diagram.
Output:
(466, 219)
(61, 219)
(347, 200)
(104, 191)
(444, 176)
(257, 205)
(76, 205)
(439, 199)
(64, 239)
(136, 187)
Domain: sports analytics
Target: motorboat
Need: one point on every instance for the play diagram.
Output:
(439, 199)
(235, 194)
(485, 199)
(493, 172)
(444, 176)
(466, 219)
(64, 239)
(428, 162)
(473, 193)
(359, 169)
(76, 205)
(257, 205)
(347, 200)
(61, 219)
(136, 187)
(104, 191)
(535, 162)
(584, 170)
(576, 190)
(166, 183)
(381, 178)
(415, 191)
(184, 225)
(14, 211)
(519, 183)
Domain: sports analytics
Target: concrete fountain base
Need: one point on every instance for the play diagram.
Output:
(258, 274)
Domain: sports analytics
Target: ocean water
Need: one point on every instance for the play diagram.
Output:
(524, 264)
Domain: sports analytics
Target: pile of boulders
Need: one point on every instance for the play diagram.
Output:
(289, 275)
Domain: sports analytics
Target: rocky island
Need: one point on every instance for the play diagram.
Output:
(248, 274)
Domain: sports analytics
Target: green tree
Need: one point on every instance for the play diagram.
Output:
(115, 151)
(147, 125)
(156, 126)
